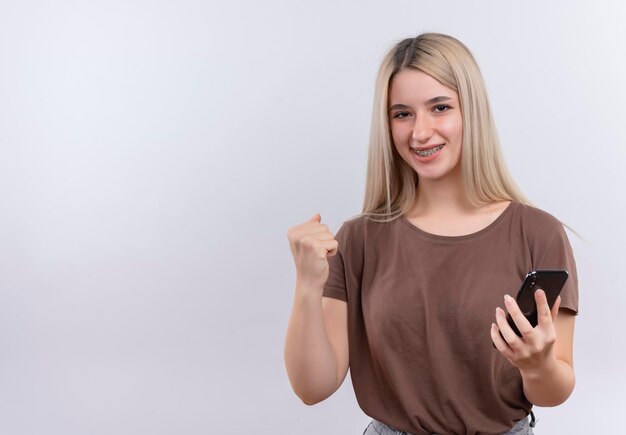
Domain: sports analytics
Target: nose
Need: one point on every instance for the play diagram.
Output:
(422, 129)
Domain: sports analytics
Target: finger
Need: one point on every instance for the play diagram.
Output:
(319, 242)
(305, 229)
(317, 218)
(555, 308)
(312, 225)
(331, 247)
(319, 229)
(509, 335)
(313, 243)
(323, 235)
(499, 342)
(544, 316)
(522, 323)
(327, 248)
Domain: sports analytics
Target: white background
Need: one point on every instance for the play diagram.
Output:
(153, 155)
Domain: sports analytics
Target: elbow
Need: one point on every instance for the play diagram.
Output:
(567, 393)
(311, 400)
(549, 404)
(313, 393)
(307, 396)
(563, 399)
(312, 397)
(556, 401)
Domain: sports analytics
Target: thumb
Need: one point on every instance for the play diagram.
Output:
(317, 217)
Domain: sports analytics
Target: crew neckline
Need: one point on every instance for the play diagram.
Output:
(473, 235)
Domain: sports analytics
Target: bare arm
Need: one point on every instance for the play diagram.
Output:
(544, 354)
(316, 360)
(316, 345)
(553, 383)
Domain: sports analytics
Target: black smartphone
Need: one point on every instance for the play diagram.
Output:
(550, 281)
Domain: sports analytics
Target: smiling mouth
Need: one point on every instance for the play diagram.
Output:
(428, 152)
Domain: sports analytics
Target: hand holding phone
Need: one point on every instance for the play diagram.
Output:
(551, 281)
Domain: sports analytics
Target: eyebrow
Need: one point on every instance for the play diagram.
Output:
(431, 101)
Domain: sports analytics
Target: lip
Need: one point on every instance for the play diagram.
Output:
(429, 158)
(427, 147)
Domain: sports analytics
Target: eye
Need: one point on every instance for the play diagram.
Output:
(444, 108)
(401, 115)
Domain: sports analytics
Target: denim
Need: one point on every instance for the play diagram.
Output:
(522, 427)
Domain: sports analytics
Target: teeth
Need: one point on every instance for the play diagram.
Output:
(428, 152)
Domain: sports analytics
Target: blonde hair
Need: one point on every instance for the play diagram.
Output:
(391, 182)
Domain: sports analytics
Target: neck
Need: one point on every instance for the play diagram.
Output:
(443, 196)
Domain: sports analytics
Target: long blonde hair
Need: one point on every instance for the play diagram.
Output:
(391, 183)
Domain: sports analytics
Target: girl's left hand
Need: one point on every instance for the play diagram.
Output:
(535, 347)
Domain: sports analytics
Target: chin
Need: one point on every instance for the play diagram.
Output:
(437, 175)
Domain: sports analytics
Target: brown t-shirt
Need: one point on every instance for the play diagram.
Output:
(420, 308)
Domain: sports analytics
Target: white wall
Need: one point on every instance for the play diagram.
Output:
(154, 154)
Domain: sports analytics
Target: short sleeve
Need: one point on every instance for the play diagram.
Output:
(336, 286)
(553, 251)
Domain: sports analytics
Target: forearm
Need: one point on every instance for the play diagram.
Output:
(309, 358)
(550, 385)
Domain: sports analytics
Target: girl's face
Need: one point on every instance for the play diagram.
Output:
(426, 124)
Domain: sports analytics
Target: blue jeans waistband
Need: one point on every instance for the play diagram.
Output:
(522, 427)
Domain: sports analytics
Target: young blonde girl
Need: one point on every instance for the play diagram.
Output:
(408, 293)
